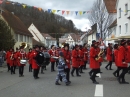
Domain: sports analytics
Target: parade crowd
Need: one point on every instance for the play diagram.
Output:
(67, 61)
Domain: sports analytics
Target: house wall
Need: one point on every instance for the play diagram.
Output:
(70, 40)
(92, 37)
(122, 20)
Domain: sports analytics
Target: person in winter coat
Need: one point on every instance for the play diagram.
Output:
(29, 59)
(122, 62)
(128, 54)
(61, 73)
(94, 64)
(75, 61)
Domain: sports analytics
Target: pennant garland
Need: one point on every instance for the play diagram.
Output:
(57, 11)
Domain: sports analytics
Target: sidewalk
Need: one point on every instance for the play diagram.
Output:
(3, 68)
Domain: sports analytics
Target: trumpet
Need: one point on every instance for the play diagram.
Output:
(99, 55)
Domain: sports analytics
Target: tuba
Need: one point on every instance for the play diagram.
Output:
(24, 45)
(99, 55)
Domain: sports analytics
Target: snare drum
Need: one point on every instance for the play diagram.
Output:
(23, 61)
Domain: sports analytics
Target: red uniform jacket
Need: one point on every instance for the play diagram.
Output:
(21, 56)
(8, 56)
(122, 57)
(116, 56)
(16, 60)
(34, 64)
(109, 54)
(85, 51)
(128, 54)
(67, 57)
(11, 59)
(75, 59)
(93, 63)
(29, 58)
(81, 54)
(52, 53)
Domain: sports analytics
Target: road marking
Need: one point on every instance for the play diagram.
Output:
(99, 91)
(98, 74)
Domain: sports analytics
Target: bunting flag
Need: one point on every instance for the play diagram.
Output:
(53, 11)
(80, 12)
(18, 4)
(84, 12)
(1, 1)
(58, 10)
(34, 7)
(63, 12)
(7, 2)
(49, 10)
(76, 12)
(40, 9)
(67, 12)
(24, 6)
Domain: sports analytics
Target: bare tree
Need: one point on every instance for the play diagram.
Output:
(100, 16)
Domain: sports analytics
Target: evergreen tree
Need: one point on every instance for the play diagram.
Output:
(6, 39)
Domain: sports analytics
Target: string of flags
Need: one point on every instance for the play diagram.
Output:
(63, 12)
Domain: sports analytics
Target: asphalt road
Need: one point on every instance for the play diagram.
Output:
(27, 86)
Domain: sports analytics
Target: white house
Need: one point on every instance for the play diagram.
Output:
(83, 38)
(123, 18)
(36, 34)
(49, 40)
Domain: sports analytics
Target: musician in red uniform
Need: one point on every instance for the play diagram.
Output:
(52, 53)
(67, 57)
(109, 56)
(29, 59)
(116, 73)
(75, 60)
(8, 58)
(11, 61)
(128, 54)
(122, 53)
(81, 54)
(35, 66)
(94, 64)
(21, 56)
(85, 51)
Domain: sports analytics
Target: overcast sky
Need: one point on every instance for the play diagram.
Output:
(81, 22)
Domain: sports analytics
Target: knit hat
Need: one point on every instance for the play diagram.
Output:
(123, 42)
(94, 42)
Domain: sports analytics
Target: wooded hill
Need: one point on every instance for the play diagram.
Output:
(44, 21)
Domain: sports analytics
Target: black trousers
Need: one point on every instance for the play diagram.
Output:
(21, 69)
(117, 71)
(85, 63)
(109, 64)
(81, 68)
(67, 71)
(35, 73)
(77, 71)
(14, 67)
(42, 68)
(52, 66)
(95, 71)
(122, 75)
(30, 67)
(12, 71)
(8, 66)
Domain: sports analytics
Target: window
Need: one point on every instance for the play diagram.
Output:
(27, 39)
(120, 29)
(24, 38)
(16, 37)
(21, 38)
(30, 40)
(119, 12)
(126, 9)
(126, 27)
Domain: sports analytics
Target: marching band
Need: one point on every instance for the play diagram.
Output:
(77, 58)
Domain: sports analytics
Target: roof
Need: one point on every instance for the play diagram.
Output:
(35, 42)
(15, 23)
(45, 35)
(62, 40)
(113, 24)
(91, 32)
(75, 37)
(111, 6)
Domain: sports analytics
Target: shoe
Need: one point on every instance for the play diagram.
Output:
(37, 77)
(100, 72)
(22, 75)
(96, 76)
(57, 83)
(95, 82)
(118, 79)
(78, 75)
(42, 72)
(114, 74)
(72, 75)
(125, 82)
(106, 68)
(67, 83)
(110, 69)
(82, 72)
(90, 74)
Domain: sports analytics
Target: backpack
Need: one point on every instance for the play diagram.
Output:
(46, 58)
(40, 58)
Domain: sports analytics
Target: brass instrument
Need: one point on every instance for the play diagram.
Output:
(24, 45)
(99, 55)
(11, 57)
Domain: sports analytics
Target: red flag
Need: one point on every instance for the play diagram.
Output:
(1, 1)
(63, 12)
